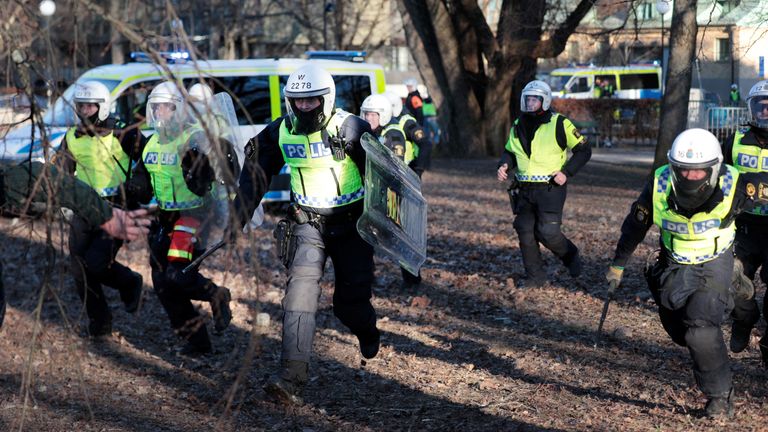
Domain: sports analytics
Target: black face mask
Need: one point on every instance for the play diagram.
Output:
(309, 121)
(691, 194)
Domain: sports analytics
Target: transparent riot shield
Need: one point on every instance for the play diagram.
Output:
(394, 219)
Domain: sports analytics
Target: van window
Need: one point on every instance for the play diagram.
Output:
(558, 82)
(253, 94)
(131, 106)
(579, 85)
(351, 90)
(640, 81)
(62, 112)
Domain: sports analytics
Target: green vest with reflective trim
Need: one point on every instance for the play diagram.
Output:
(750, 159)
(163, 162)
(546, 156)
(317, 180)
(429, 109)
(699, 238)
(411, 149)
(100, 161)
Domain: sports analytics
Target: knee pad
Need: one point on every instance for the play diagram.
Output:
(702, 337)
(548, 231)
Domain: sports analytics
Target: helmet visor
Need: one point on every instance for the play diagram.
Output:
(531, 102)
(758, 109)
(693, 186)
(305, 92)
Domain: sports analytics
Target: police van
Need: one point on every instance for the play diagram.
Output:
(628, 82)
(256, 86)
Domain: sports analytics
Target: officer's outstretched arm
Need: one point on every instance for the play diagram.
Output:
(263, 160)
(635, 227)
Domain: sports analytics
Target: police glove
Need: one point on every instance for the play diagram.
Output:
(614, 274)
(197, 170)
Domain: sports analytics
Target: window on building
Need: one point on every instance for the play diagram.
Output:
(727, 5)
(646, 11)
(722, 49)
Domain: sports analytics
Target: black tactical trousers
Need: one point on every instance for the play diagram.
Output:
(175, 290)
(539, 214)
(92, 254)
(352, 261)
(750, 249)
(694, 300)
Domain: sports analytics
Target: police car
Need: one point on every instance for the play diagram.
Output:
(256, 86)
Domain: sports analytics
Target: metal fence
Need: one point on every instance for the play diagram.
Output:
(724, 121)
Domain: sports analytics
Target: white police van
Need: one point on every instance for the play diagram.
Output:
(255, 84)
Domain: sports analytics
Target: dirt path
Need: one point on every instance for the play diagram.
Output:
(470, 350)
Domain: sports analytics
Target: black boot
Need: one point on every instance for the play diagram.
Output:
(573, 262)
(739, 337)
(198, 343)
(287, 385)
(719, 406)
(132, 297)
(222, 314)
(369, 343)
(99, 329)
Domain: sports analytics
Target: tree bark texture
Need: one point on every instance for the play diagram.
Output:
(674, 104)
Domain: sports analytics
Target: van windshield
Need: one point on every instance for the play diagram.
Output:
(62, 112)
(558, 82)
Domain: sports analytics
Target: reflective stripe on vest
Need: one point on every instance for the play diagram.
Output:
(699, 238)
(100, 161)
(411, 149)
(546, 155)
(317, 180)
(750, 159)
(163, 162)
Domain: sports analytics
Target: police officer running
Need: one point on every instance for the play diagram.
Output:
(20, 185)
(321, 144)
(418, 149)
(694, 201)
(537, 147)
(747, 150)
(95, 154)
(176, 164)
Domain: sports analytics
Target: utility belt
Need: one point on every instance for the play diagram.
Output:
(536, 185)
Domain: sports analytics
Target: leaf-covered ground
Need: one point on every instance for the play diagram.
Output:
(471, 349)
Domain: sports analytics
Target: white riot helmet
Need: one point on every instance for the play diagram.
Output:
(757, 101)
(377, 103)
(694, 149)
(167, 119)
(201, 95)
(310, 81)
(411, 82)
(395, 101)
(96, 93)
(539, 89)
(734, 87)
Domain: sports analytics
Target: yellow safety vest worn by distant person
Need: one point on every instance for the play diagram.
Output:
(317, 180)
(547, 154)
(411, 149)
(750, 159)
(99, 161)
(701, 237)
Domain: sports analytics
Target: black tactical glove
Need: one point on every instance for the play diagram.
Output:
(197, 170)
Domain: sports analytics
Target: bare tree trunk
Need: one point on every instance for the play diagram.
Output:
(674, 105)
(460, 114)
(115, 38)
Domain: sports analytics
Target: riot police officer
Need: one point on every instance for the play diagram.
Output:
(322, 146)
(694, 201)
(747, 151)
(538, 144)
(100, 156)
(418, 149)
(175, 163)
(19, 187)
